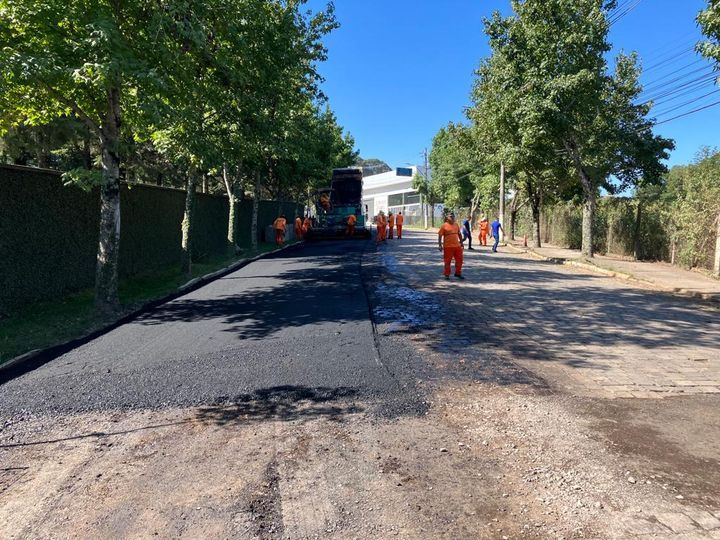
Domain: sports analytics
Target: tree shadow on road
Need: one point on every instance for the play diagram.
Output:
(309, 296)
(538, 311)
(284, 403)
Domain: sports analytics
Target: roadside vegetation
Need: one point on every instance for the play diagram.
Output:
(169, 94)
(573, 135)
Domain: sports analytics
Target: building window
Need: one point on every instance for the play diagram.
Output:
(412, 198)
(395, 200)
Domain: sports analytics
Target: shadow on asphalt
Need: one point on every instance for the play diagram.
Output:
(284, 403)
(308, 297)
(532, 314)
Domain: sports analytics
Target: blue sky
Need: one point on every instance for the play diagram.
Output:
(398, 70)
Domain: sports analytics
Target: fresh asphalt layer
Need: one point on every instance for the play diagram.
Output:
(294, 324)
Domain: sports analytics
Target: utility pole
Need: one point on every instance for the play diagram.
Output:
(427, 185)
(501, 217)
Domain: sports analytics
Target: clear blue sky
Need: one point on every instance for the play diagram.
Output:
(398, 70)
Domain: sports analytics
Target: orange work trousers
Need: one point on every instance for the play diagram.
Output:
(350, 231)
(450, 253)
(483, 239)
(298, 233)
(390, 231)
(279, 237)
(399, 229)
(381, 233)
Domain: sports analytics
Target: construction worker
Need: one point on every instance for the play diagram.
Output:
(279, 226)
(450, 244)
(298, 228)
(467, 232)
(484, 227)
(391, 224)
(496, 230)
(399, 223)
(307, 225)
(381, 227)
(351, 221)
(325, 202)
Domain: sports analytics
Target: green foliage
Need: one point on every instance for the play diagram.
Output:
(49, 233)
(709, 21)
(693, 194)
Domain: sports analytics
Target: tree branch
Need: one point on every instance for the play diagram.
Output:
(79, 112)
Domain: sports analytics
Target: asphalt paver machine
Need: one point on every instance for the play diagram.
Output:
(333, 205)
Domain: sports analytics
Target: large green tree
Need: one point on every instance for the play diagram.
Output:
(565, 101)
(96, 61)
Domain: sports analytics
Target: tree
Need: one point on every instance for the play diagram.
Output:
(95, 61)
(566, 101)
(709, 21)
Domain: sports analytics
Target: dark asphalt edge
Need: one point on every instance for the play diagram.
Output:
(29, 361)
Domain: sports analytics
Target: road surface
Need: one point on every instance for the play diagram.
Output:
(336, 390)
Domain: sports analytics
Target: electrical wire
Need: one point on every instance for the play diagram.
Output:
(687, 113)
(690, 102)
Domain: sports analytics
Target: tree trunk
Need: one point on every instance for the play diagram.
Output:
(636, 233)
(255, 207)
(501, 210)
(587, 224)
(716, 266)
(106, 273)
(513, 221)
(535, 204)
(205, 186)
(187, 223)
(232, 205)
(589, 191)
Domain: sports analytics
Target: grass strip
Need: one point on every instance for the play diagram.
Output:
(44, 324)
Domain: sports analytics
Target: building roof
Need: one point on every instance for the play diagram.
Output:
(390, 178)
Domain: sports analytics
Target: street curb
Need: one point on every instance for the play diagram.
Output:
(34, 359)
(712, 300)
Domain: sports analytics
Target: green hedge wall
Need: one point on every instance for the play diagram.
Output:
(49, 232)
(48, 237)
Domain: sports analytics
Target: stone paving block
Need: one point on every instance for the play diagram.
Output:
(678, 522)
(705, 519)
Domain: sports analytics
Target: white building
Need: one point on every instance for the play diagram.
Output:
(392, 191)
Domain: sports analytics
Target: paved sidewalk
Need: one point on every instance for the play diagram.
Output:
(587, 333)
(659, 275)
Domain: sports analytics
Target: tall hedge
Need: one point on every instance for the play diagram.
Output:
(49, 232)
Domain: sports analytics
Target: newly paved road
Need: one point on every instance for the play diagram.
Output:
(296, 323)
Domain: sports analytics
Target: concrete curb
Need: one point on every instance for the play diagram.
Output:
(711, 299)
(33, 359)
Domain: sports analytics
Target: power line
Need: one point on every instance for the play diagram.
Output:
(689, 91)
(624, 10)
(690, 102)
(683, 87)
(649, 86)
(673, 56)
(688, 113)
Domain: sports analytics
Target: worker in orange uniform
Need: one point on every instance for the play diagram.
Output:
(279, 226)
(399, 220)
(351, 221)
(450, 243)
(325, 202)
(298, 228)
(381, 227)
(484, 227)
(391, 224)
(307, 225)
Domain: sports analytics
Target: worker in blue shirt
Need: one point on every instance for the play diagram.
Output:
(467, 233)
(496, 229)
